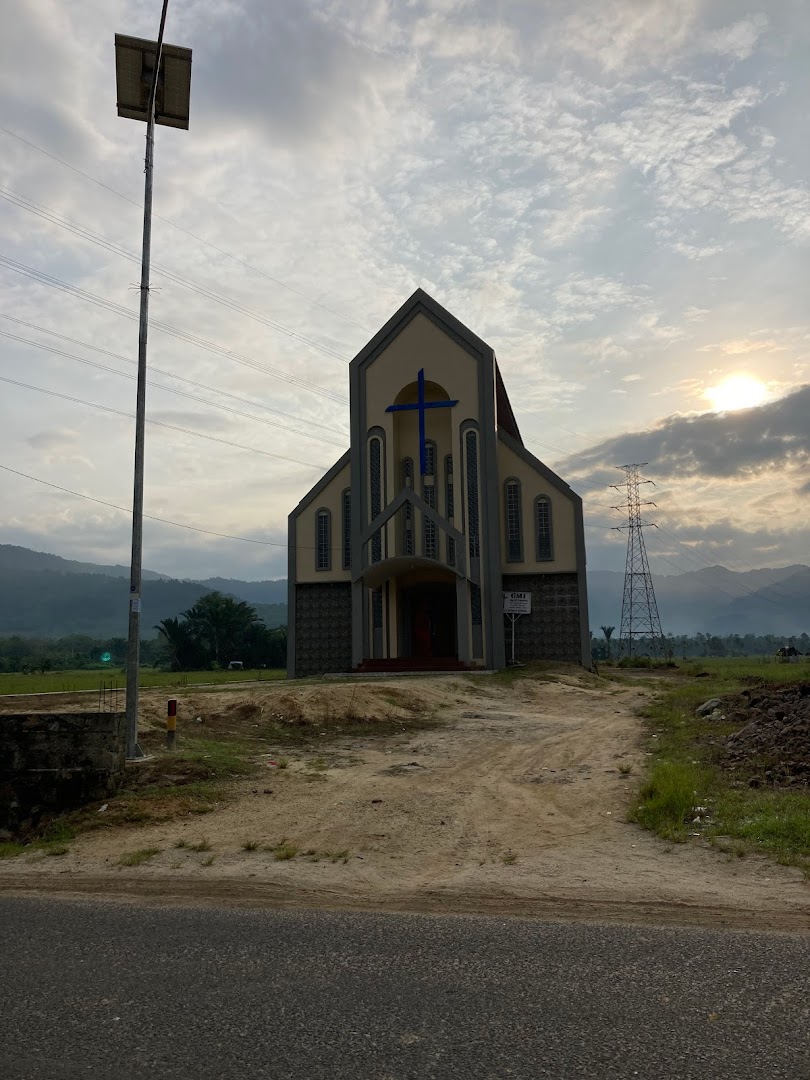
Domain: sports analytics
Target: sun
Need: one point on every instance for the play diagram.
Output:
(736, 392)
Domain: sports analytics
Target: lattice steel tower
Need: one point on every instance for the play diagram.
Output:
(641, 626)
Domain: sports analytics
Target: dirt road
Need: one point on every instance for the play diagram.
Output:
(515, 804)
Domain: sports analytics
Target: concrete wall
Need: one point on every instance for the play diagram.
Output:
(323, 628)
(51, 762)
(330, 498)
(533, 484)
(553, 630)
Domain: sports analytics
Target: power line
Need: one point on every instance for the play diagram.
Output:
(183, 335)
(124, 509)
(171, 375)
(47, 214)
(160, 423)
(156, 385)
(194, 236)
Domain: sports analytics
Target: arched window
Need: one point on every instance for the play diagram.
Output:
(323, 539)
(429, 495)
(407, 509)
(471, 470)
(375, 467)
(449, 506)
(347, 528)
(544, 540)
(513, 520)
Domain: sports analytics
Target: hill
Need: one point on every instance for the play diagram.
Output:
(47, 596)
(43, 595)
(714, 600)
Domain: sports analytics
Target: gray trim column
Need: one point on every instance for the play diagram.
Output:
(291, 574)
(357, 399)
(582, 583)
(494, 645)
(463, 620)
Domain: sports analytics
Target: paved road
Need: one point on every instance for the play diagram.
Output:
(119, 992)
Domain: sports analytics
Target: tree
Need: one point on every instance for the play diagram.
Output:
(184, 650)
(607, 631)
(222, 625)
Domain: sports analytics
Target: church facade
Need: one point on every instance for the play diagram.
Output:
(399, 557)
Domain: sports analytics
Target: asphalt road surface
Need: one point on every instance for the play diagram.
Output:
(119, 992)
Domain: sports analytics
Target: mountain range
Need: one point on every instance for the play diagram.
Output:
(44, 595)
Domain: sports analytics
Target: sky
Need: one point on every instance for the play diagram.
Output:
(613, 194)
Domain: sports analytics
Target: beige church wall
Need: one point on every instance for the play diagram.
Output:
(331, 498)
(421, 344)
(533, 484)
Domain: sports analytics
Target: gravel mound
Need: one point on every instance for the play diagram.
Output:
(772, 745)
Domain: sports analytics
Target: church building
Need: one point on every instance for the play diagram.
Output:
(400, 556)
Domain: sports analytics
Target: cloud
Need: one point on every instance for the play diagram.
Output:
(58, 439)
(738, 39)
(293, 80)
(734, 445)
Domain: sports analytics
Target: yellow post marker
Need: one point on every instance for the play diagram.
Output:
(171, 724)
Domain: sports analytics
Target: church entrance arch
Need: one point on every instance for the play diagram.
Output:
(428, 628)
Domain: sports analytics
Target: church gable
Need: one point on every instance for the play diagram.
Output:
(435, 510)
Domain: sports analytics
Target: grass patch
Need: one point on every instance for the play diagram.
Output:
(669, 797)
(200, 845)
(60, 682)
(625, 768)
(284, 851)
(249, 845)
(10, 850)
(685, 773)
(136, 858)
(56, 849)
(209, 861)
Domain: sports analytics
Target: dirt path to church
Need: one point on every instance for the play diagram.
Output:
(513, 804)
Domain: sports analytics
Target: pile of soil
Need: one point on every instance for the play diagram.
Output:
(773, 745)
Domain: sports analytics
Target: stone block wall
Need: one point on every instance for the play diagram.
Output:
(52, 762)
(323, 628)
(552, 631)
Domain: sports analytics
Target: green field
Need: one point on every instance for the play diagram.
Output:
(60, 682)
(684, 773)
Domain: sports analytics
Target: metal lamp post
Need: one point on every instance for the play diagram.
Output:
(153, 84)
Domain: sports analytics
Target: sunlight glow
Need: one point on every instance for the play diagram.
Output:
(736, 392)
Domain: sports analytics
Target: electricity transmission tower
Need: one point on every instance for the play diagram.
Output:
(640, 626)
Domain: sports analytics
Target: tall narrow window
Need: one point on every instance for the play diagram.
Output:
(471, 463)
(347, 529)
(475, 604)
(375, 492)
(514, 531)
(543, 528)
(407, 510)
(449, 506)
(429, 495)
(323, 540)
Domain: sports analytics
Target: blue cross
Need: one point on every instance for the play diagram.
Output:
(421, 405)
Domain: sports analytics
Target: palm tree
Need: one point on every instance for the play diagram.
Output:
(607, 631)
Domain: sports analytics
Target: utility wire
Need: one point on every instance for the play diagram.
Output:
(152, 517)
(107, 244)
(160, 423)
(173, 331)
(180, 378)
(169, 389)
(124, 509)
(194, 236)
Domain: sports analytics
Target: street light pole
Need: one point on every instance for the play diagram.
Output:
(142, 69)
(136, 565)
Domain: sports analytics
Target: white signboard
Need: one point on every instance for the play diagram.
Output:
(517, 603)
